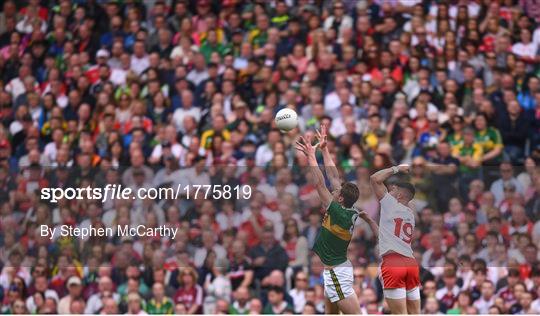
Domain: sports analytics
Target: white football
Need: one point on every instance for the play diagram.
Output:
(286, 119)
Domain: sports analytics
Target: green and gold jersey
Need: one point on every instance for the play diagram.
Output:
(335, 234)
(474, 151)
(489, 139)
(454, 139)
(165, 307)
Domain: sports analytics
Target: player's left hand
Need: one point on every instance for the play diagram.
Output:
(304, 145)
(363, 215)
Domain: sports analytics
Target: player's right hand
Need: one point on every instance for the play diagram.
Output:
(322, 136)
(405, 168)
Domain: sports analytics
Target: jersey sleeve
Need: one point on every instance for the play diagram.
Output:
(497, 139)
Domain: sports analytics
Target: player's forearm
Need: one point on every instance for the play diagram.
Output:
(380, 176)
(315, 171)
(320, 185)
(371, 222)
(318, 176)
(327, 158)
(312, 161)
(373, 226)
(330, 168)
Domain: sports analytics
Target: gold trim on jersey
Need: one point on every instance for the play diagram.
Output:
(335, 229)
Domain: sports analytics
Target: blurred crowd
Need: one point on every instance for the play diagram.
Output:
(154, 93)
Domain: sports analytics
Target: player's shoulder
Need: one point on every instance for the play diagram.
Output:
(337, 210)
(388, 198)
(333, 206)
(390, 201)
(337, 206)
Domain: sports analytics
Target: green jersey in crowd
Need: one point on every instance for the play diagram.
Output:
(489, 139)
(164, 307)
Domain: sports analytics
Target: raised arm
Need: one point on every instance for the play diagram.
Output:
(372, 224)
(329, 166)
(377, 179)
(305, 147)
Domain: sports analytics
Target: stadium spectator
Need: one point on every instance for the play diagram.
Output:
(487, 298)
(77, 307)
(74, 285)
(241, 303)
(269, 255)
(298, 292)
(105, 294)
(135, 304)
(190, 294)
(276, 303)
(159, 303)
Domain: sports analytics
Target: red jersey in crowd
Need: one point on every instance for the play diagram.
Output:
(189, 296)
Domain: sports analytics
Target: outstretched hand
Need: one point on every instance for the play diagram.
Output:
(363, 214)
(304, 146)
(322, 136)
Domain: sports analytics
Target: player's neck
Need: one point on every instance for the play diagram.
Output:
(404, 202)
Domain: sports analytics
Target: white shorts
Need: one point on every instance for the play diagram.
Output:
(338, 282)
(401, 293)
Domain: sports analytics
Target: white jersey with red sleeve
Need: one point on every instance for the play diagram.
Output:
(396, 227)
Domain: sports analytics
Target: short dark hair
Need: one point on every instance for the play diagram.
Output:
(407, 186)
(276, 289)
(350, 193)
(499, 310)
(310, 304)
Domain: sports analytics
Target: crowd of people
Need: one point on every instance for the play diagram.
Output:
(152, 93)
